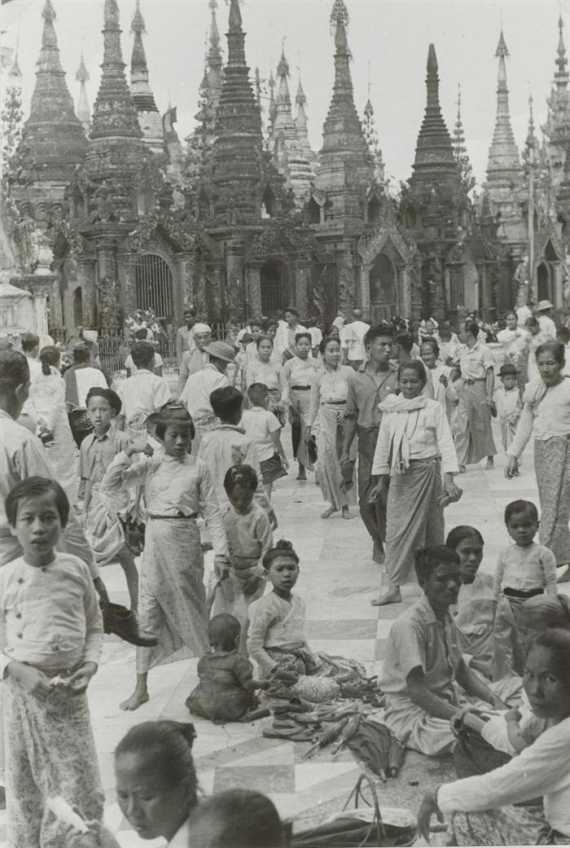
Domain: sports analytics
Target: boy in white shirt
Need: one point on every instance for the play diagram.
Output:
(264, 430)
(144, 392)
(352, 341)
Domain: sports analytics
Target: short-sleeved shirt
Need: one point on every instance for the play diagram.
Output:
(418, 639)
(475, 361)
(526, 569)
(366, 390)
(259, 425)
(98, 452)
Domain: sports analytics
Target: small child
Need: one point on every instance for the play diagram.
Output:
(508, 402)
(264, 429)
(226, 691)
(103, 528)
(51, 635)
(525, 569)
(241, 818)
(276, 635)
(248, 531)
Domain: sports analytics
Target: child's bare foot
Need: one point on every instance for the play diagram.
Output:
(392, 596)
(137, 699)
(328, 512)
(347, 514)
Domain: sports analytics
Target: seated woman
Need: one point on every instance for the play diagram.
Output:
(240, 818)
(424, 660)
(487, 632)
(481, 807)
(157, 787)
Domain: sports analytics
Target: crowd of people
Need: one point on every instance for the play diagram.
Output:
(153, 474)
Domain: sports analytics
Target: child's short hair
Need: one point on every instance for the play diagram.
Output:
(110, 396)
(246, 339)
(81, 353)
(226, 402)
(171, 413)
(244, 475)
(520, 507)
(142, 354)
(36, 487)
(508, 370)
(223, 631)
(257, 393)
(29, 342)
(283, 548)
(300, 336)
(14, 370)
(428, 559)
(243, 819)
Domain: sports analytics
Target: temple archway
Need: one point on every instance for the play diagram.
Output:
(274, 286)
(543, 282)
(154, 286)
(78, 307)
(383, 289)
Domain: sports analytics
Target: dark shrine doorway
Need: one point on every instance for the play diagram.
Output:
(154, 287)
(383, 296)
(274, 287)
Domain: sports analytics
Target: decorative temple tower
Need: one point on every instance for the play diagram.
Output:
(302, 125)
(83, 107)
(371, 135)
(148, 114)
(345, 164)
(288, 149)
(504, 173)
(460, 149)
(557, 127)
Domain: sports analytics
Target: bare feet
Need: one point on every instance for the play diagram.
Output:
(347, 514)
(392, 596)
(302, 475)
(490, 463)
(328, 512)
(462, 469)
(137, 699)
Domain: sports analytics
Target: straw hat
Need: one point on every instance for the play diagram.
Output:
(221, 350)
(543, 305)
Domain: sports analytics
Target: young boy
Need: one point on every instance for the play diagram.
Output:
(226, 444)
(423, 660)
(508, 402)
(144, 392)
(524, 569)
(264, 430)
(131, 366)
(51, 635)
(103, 527)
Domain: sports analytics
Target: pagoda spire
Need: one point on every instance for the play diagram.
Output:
(342, 127)
(215, 60)
(283, 122)
(371, 135)
(53, 138)
(115, 113)
(140, 81)
(434, 150)
(561, 77)
(83, 107)
(503, 154)
(460, 147)
(238, 144)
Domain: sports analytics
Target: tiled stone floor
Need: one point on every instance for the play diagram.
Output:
(338, 581)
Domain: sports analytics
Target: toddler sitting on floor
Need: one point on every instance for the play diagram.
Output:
(226, 691)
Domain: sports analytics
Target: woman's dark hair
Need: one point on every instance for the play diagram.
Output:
(300, 336)
(326, 342)
(520, 507)
(173, 413)
(406, 341)
(555, 348)
(143, 354)
(29, 342)
(244, 475)
(414, 365)
(244, 819)
(81, 353)
(292, 310)
(471, 327)
(380, 331)
(263, 339)
(283, 548)
(226, 402)
(434, 346)
(428, 559)
(49, 357)
(14, 370)
(110, 396)
(167, 745)
(557, 640)
(461, 532)
(36, 487)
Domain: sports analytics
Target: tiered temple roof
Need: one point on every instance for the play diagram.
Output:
(53, 139)
(504, 160)
(149, 117)
(434, 161)
(237, 152)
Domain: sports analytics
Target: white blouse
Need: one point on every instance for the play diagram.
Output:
(546, 413)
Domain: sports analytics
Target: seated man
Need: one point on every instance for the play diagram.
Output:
(424, 660)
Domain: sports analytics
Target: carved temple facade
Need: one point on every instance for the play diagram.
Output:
(115, 214)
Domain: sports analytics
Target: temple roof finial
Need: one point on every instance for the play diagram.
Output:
(504, 160)
(83, 108)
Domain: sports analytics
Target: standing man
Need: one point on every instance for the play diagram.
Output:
(185, 334)
(367, 388)
(287, 332)
(352, 341)
(544, 316)
(197, 358)
(200, 385)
